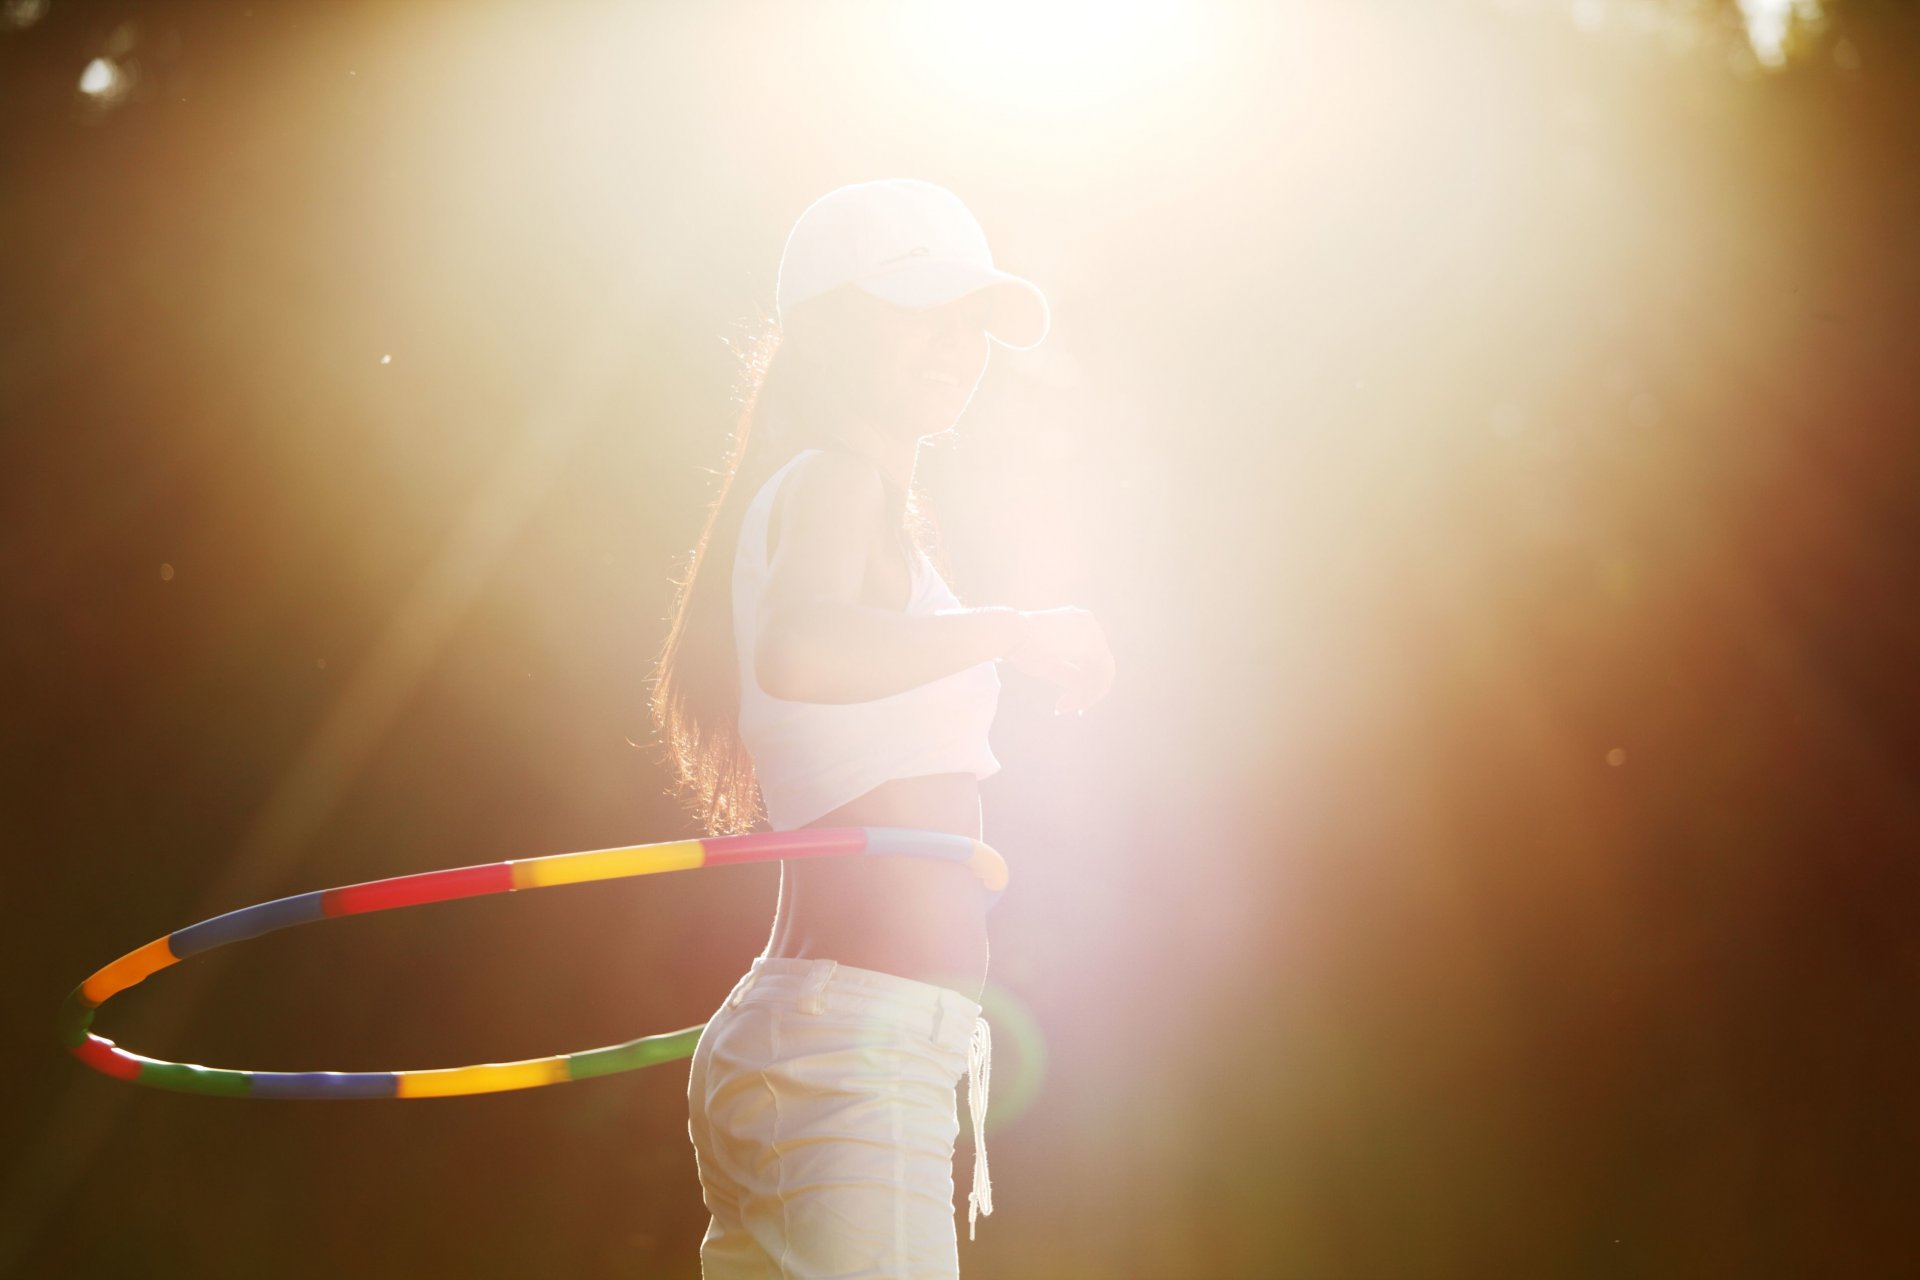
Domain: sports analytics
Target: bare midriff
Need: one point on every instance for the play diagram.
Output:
(916, 917)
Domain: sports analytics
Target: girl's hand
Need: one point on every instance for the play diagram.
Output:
(1067, 647)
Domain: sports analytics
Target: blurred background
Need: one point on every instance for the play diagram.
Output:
(1484, 428)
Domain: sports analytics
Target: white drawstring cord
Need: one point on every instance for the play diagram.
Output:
(979, 1070)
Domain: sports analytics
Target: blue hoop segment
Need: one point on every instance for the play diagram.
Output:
(76, 1015)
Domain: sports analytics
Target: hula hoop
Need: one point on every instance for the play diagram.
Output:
(76, 1015)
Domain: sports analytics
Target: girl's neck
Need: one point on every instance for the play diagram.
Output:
(895, 455)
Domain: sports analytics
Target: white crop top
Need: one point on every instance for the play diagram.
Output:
(813, 757)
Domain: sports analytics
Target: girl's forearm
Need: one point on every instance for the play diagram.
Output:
(835, 652)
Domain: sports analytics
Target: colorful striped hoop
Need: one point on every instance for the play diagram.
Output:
(443, 886)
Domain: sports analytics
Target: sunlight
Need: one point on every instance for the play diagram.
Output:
(1050, 56)
(1770, 21)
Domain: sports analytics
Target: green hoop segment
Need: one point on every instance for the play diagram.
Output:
(76, 1015)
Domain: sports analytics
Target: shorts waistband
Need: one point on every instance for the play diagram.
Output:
(949, 1019)
(949, 1015)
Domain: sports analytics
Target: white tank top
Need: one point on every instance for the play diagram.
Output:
(813, 757)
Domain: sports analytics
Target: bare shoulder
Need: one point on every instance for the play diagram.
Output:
(828, 487)
(826, 513)
(835, 473)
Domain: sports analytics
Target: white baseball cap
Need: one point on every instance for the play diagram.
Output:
(911, 243)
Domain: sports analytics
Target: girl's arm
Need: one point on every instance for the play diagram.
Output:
(816, 641)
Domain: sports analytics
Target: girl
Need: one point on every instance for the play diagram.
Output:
(818, 665)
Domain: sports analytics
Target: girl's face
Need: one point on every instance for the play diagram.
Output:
(914, 369)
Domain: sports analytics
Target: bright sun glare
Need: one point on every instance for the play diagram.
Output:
(1768, 22)
(1061, 55)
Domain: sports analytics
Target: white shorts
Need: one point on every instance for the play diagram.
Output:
(822, 1108)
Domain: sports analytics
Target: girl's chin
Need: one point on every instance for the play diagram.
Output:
(931, 419)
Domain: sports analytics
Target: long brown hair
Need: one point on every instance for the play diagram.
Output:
(785, 392)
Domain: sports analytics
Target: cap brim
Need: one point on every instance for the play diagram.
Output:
(1020, 317)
